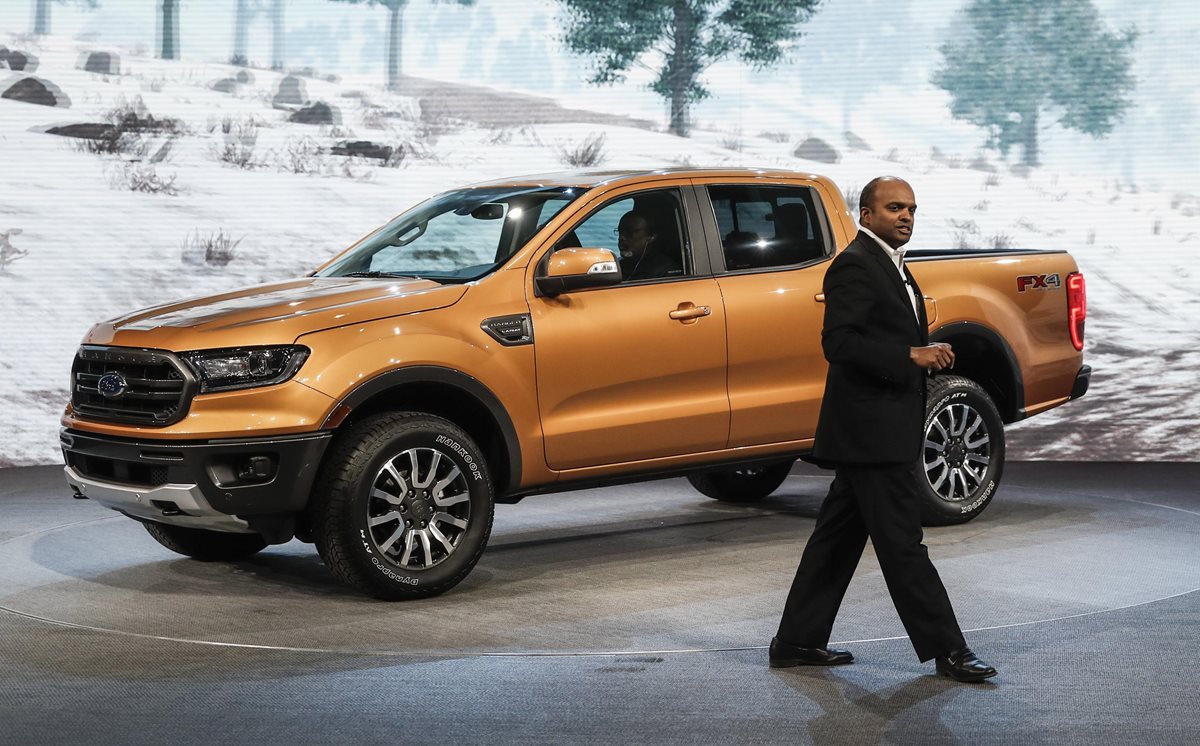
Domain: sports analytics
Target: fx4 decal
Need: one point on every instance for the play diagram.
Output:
(1038, 282)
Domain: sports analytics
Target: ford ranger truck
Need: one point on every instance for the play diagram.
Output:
(537, 334)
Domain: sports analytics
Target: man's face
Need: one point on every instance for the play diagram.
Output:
(633, 236)
(892, 216)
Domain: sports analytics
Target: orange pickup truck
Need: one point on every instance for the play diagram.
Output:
(529, 335)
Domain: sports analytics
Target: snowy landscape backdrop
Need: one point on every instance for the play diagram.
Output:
(139, 164)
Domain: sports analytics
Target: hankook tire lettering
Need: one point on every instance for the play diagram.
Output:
(982, 499)
(462, 453)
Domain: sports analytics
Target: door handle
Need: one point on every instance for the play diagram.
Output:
(689, 312)
(819, 297)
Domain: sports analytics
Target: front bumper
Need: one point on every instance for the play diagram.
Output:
(177, 504)
(236, 484)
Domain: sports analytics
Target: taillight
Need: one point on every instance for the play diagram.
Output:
(1076, 308)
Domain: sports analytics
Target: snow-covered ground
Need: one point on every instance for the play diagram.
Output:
(96, 250)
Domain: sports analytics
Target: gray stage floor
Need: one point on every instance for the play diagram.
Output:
(629, 614)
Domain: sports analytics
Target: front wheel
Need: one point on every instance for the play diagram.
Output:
(747, 484)
(963, 452)
(403, 507)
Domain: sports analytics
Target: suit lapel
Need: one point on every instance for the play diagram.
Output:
(889, 268)
(922, 319)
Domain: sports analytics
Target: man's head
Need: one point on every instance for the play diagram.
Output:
(888, 208)
(634, 235)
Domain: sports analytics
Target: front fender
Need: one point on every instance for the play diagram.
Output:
(353, 364)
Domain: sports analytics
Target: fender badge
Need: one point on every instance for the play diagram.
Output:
(1038, 282)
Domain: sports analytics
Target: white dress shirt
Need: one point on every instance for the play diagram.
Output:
(897, 257)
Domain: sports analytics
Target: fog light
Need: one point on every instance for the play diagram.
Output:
(255, 469)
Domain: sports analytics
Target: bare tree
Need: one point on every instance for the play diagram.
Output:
(41, 13)
(247, 11)
(277, 38)
(168, 29)
(395, 33)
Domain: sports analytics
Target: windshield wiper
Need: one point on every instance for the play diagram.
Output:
(377, 273)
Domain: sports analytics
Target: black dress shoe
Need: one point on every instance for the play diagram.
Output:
(784, 655)
(963, 665)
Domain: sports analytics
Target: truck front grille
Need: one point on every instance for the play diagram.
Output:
(130, 386)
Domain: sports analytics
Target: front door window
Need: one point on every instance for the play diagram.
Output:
(646, 232)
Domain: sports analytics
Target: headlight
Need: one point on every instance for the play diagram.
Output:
(245, 367)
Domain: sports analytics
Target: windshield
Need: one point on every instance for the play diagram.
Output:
(457, 236)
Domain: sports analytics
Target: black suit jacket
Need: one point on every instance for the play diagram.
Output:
(874, 400)
(653, 264)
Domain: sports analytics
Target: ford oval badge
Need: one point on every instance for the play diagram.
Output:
(112, 385)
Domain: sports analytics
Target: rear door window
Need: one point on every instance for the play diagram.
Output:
(762, 227)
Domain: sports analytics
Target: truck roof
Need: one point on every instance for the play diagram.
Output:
(592, 178)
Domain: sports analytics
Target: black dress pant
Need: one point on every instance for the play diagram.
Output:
(879, 501)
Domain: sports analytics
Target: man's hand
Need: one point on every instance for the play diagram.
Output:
(932, 357)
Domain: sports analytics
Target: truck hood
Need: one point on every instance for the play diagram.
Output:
(277, 313)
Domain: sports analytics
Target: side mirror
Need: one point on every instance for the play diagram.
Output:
(575, 269)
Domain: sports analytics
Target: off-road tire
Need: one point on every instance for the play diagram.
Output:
(349, 494)
(965, 416)
(204, 545)
(744, 485)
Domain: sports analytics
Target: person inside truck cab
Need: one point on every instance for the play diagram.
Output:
(643, 255)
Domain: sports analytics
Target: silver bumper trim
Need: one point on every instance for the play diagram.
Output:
(194, 510)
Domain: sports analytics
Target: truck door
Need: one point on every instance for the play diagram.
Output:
(634, 371)
(770, 246)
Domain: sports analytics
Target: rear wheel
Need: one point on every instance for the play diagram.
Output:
(963, 452)
(204, 545)
(403, 508)
(743, 485)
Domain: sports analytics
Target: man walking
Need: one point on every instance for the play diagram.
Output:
(876, 340)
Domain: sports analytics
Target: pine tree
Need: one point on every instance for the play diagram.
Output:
(1022, 59)
(681, 38)
(395, 33)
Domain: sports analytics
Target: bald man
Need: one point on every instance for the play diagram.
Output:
(876, 339)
